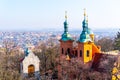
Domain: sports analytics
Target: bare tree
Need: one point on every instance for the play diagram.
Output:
(106, 44)
(9, 68)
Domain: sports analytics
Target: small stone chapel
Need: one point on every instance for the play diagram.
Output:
(30, 64)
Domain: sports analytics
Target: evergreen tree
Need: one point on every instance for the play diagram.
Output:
(117, 42)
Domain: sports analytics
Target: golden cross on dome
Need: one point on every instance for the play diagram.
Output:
(66, 15)
(84, 12)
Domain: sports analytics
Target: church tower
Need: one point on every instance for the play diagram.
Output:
(85, 42)
(66, 41)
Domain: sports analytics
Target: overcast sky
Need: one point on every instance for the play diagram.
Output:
(40, 14)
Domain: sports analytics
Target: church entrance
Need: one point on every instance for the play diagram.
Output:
(31, 70)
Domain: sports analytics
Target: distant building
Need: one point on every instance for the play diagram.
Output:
(30, 64)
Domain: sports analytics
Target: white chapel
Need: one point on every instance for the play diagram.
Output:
(30, 64)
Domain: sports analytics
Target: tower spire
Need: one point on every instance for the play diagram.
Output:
(87, 19)
(65, 23)
(84, 36)
(66, 36)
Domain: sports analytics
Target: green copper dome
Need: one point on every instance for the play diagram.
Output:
(66, 37)
(89, 31)
(84, 37)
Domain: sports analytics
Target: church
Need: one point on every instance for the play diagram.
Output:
(85, 49)
(86, 52)
(30, 64)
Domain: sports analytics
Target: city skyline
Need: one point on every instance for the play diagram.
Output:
(43, 14)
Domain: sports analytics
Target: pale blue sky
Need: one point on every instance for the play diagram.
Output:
(39, 14)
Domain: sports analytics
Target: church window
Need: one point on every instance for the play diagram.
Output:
(68, 50)
(87, 53)
(76, 53)
(80, 53)
(62, 51)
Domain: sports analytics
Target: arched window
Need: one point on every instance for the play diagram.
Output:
(68, 50)
(80, 53)
(76, 53)
(62, 51)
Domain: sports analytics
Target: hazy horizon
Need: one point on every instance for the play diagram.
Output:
(59, 29)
